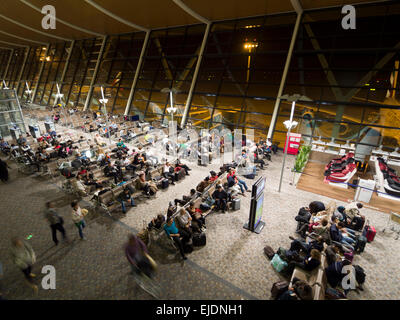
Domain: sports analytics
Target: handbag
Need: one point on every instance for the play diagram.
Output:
(278, 264)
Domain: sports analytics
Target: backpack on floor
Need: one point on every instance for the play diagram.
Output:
(360, 274)
(278, 264)
(199, 239)
(187, 247)
(278, 288)
(361, 242)
(269, 252)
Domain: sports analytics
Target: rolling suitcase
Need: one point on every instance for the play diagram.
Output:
(164, 183)
(278, 288)
(236, 204)
(199, 239)
(269, 252)
(369, 232)
(187, 247)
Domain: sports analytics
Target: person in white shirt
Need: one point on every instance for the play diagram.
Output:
(168, 172)
(78, 215)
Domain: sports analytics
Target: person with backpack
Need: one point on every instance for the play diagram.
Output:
(55, 221)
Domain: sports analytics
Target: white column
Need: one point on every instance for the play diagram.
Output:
(96, 71)
(137, 72)
(71, 48)
(196, 73)
(40, 73)
(28, 50)
(284, 76)
(8, 64)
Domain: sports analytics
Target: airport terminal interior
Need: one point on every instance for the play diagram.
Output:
(199, 150)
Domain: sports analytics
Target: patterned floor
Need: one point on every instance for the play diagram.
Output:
(231, 266)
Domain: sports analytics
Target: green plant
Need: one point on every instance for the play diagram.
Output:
(302, 158)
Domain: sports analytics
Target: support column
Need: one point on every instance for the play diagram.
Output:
(40, 74)
(96, 71)
(137, 72)
(196, 73)
(71, 49)
(8, 64)
(28, 50)
(284, 76)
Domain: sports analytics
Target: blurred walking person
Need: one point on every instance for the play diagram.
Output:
(24, 258)
(3, 171)
(56, 222)
(78, 215)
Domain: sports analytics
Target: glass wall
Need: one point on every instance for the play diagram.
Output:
(354, 92)
(351, 75)
(10, 113)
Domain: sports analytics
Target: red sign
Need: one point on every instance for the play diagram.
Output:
(294, 143)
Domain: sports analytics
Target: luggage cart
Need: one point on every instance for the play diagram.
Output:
(393, 222)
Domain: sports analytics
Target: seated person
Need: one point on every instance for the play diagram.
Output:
(221, 198)
(337, 235)
(334, 273)
(234, 188)
(242, 184)
(272, 146)
(25, 148)
(157, 222)
(121, 144)
(213, 176)
(352, 217)
(300, 290)
(168, 172)
(309, 263)
(88, 179)
(301, 246)
(79, 187)
(126, 195)
(185, 222)
(149, 188)
(171, 210)
(4, 146)
(139, 160)
(181, 165)
(42, 155)
(172, 231)
(110, 171)
(21, 140)
(258, 159)
(196, 216)
(186, 199)
(203, 185)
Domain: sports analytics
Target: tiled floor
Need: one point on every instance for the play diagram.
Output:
(231, 266)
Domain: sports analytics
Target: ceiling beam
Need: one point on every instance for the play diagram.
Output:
(21, 38)
(188, 10)
(64, 22)
(115, 17)
(47, 34)
(14, 44)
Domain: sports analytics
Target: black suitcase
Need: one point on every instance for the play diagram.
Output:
(269, 252)
(187, 247)
(278, 288)
(199, 239)
(164, 183)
